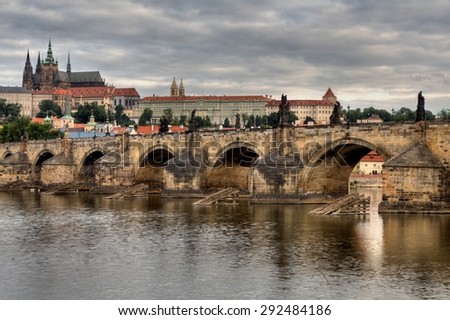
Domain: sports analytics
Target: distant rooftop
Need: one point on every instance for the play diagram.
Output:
(4, 89)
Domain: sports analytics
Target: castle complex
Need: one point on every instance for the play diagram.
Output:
(48, 76)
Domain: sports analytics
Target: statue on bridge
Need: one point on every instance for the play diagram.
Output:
(283, 112)
(163, 125)
(420, 112)
(335, 117)
(192, 125)
(237, 121)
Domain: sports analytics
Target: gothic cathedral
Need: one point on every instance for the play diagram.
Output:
(48, 76)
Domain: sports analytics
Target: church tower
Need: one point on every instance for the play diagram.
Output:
(174, 89)
(181, 91)
(27, 79)
(69, 67)
(49, 69)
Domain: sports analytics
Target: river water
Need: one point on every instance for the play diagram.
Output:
(82, 246)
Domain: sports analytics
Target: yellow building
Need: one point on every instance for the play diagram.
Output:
(319, 110)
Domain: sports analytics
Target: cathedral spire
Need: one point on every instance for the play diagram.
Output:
(28, 57)
(27, 79)
(38, 64)
(69, 67)
(49, 58)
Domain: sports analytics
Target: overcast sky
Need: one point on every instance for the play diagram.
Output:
(371, 53)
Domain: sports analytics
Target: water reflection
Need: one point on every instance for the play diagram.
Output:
(81, 246)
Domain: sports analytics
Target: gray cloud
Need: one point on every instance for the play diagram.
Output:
(371, 53)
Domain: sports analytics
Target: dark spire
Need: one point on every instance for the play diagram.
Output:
(27, 79)
(38, 64)
(69, 67)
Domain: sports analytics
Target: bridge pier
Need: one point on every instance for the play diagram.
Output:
(415, 181)
(60, 169)
(184, 175)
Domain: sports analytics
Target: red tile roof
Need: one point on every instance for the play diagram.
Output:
(205, 98)
(329, 94)
(148, 130)
(92, 92)
(126, 92)
(372, 156)
(294, 103)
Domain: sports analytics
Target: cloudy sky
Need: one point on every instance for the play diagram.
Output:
(371, 53)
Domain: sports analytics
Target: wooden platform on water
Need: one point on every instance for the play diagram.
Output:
(64, 188)
(350, 204)
(228, 195)
(140, 190)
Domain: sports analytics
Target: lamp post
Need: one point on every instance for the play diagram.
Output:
(393, 112)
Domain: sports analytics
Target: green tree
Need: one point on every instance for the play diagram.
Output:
(48, 107)
(121, 118)
(168, 114)
(309, 119)
(429, 116)
(145, 117)
(444, 114)
(352, 115)
(10, 111)
(404, 114)
(251, 121)
(272, 119)
(85, 111)
(39, 131)
(259, 121)
(183, 120)
(382, 113)
(15, 130)
(292, 117)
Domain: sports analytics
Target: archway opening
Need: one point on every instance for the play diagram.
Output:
(368, 172)
(87, 173)
(331, 172)
(38, 165)
(232, 169)
(7, 155)
(151, 168)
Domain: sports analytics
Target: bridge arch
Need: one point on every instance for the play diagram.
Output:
(230, 166)
(43, 156)
(327, 169)
(86, 171)
(152, 164)
(7, 154)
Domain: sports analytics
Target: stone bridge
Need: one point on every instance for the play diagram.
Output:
(299, 164)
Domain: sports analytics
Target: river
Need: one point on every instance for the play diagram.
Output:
(83, 246)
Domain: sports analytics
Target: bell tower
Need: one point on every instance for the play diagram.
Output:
(174, 89)
(49, 69)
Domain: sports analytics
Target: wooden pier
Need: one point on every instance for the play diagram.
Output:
(140, 190)
(228, 195)
(63, 188)
(350, 204)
